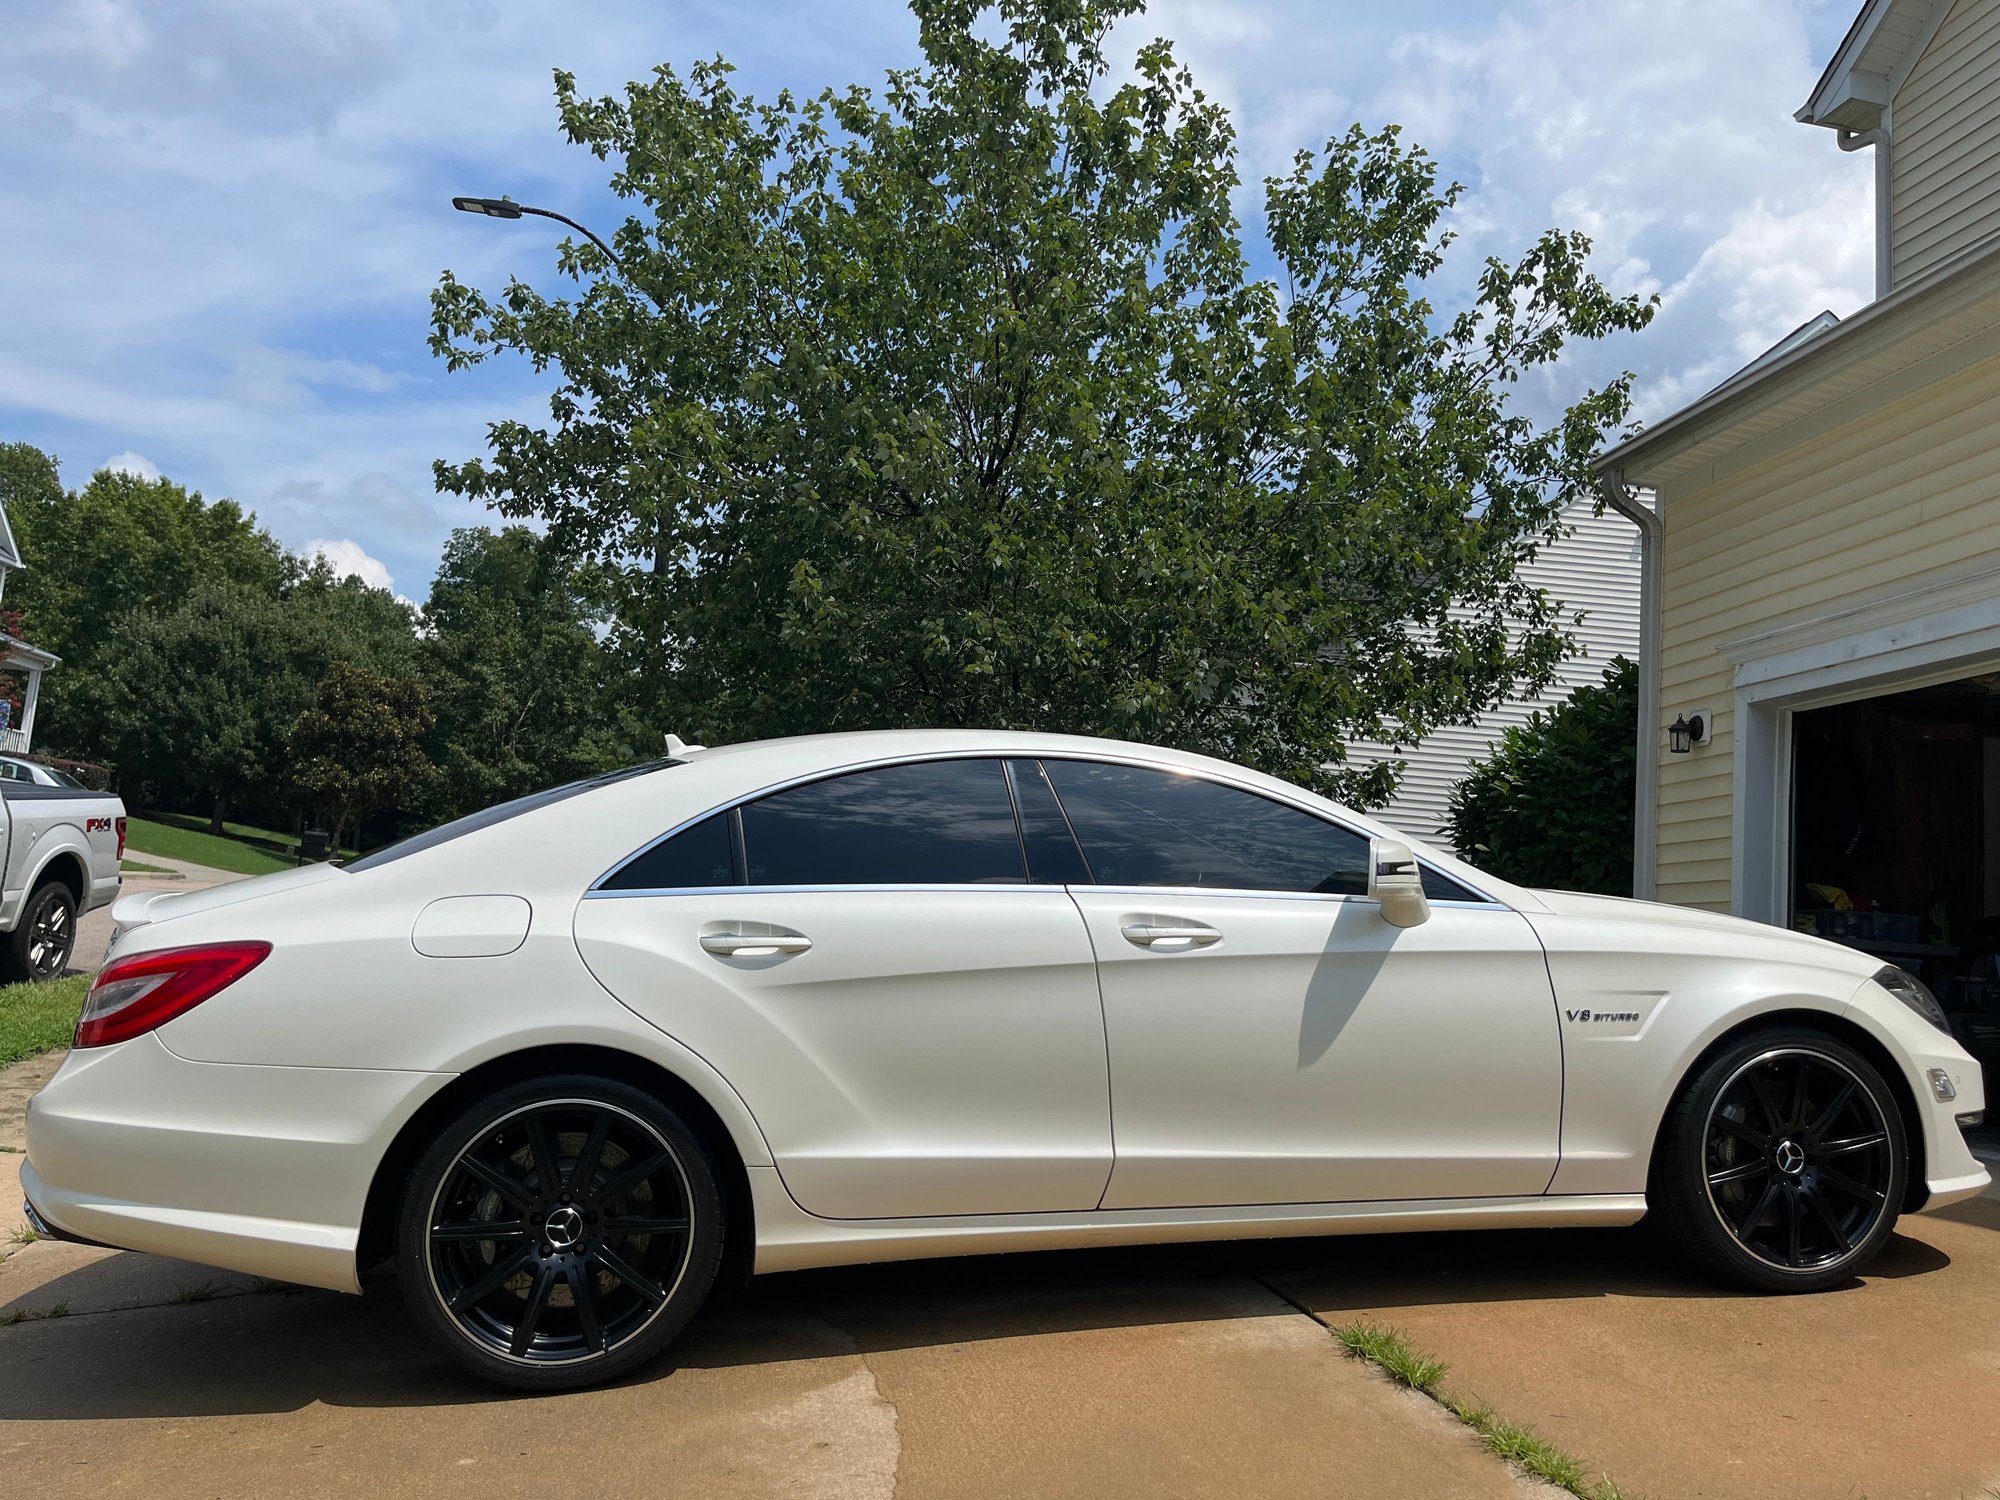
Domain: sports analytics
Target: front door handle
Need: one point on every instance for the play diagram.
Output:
(1169, 937)
(754, 944)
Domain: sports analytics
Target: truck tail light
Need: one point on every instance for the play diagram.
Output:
(120, 826)
(136, 994)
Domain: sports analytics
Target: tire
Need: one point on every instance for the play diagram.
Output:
(608, 1261)
(40, 945)
(1783, 1162)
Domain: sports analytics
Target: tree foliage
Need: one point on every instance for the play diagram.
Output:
(120, 543)
(199, 699)
(359, 746)
(1553, 804)
(525, 694)
(960, 403)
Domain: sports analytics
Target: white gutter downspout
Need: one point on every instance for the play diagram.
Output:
(1860, 140)
(1646, 792)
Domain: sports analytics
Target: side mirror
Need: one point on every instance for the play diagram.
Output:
(1396, 882)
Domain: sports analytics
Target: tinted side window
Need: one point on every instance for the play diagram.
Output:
(697, 856)
(1439, 886)
(1146, 827)
(1053, 858)
(946, 822)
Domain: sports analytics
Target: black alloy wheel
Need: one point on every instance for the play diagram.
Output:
(558, 1236)
(40, 945)
(1798, 1159)
(1785, 1163)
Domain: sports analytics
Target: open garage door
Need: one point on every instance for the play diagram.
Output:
(1896, 839)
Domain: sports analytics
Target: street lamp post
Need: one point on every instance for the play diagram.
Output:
(507, 208)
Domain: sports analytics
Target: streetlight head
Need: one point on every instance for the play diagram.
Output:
(493, 208)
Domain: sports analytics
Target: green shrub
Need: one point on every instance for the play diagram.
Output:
(1553, 805)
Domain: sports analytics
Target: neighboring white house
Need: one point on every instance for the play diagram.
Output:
(1593, 571)
(16, 655)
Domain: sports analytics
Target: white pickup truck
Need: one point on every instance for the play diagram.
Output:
(63, 845)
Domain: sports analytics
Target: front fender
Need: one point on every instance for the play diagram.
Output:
(1639, 1002)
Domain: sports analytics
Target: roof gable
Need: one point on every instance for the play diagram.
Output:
(1871, 62)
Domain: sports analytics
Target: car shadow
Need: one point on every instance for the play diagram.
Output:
(278, 1352)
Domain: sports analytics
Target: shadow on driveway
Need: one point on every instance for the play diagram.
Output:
(277, 1352)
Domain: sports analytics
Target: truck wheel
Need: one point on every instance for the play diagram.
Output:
(40, 944)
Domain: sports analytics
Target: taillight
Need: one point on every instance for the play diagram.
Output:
(119, 824)
(136, 994)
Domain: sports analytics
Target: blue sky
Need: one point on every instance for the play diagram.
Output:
(225, 216)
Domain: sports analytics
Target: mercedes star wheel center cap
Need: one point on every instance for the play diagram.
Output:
(563, 1227)
(1790, 1157)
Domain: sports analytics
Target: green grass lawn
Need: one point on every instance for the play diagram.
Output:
(139, 867)
(39, 1017)
(146, 836)
(269, 840)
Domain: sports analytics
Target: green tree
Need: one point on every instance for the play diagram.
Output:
(199, 699)
(124, 540)
(30, 482)
(525, 694)
(962, 405)
(1552, 806)
(359, 747)
(194, 700)
(120, 543)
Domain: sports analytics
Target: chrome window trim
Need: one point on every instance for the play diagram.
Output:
(1137, 892)
(1008, 887)
(1111, 758)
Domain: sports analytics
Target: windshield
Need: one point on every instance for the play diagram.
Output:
(63, 778)
(500, 812)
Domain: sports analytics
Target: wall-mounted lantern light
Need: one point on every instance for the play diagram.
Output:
(1687, 731)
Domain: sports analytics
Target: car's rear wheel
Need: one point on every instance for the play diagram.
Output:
(1783, 1162)
(41, 942)
(560, 1232)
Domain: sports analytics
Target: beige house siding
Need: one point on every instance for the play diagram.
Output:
(1944, 161)
(1857, 504)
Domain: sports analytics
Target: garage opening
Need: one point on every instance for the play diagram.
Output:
(1896, 839)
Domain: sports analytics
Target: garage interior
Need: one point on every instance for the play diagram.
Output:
(1896, 840)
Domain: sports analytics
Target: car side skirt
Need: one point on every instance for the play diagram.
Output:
(790, 1239)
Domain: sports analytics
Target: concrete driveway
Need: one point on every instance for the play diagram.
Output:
(1185, 1371)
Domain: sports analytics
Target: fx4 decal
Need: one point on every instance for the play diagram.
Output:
(97, 825)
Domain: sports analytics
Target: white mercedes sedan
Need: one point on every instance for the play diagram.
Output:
(866, 996)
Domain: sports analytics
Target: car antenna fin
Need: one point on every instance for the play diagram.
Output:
(677, 746)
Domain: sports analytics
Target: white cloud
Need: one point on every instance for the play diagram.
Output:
(349, 560)
(239, 209)
(135, 464)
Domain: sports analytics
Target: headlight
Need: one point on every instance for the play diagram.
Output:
(1909, 989)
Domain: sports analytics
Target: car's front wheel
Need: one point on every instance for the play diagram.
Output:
(560, 1232)
(1783, 1162)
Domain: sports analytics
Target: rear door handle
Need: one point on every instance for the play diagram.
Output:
(1178, 937)
(754, 944)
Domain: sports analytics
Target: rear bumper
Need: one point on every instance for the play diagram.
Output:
(103, 891)
(256, 1169)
